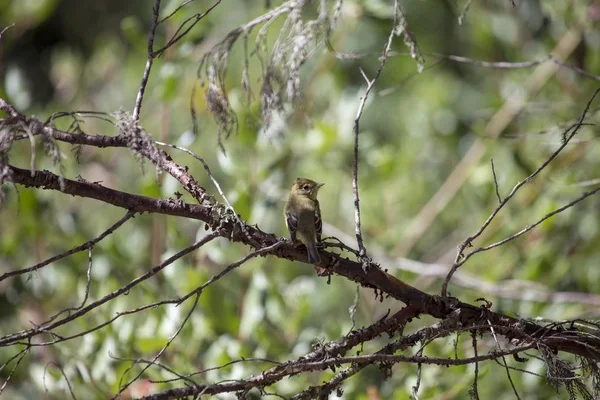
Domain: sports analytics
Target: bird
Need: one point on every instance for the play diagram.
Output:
(303, 216)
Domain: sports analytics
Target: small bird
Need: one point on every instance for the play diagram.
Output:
(303, 216)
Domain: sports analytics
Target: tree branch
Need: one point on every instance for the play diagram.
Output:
(438, 307)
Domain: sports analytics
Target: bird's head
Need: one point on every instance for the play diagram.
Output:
(306, 187)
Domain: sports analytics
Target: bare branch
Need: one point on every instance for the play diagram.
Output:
(160, 365)
(294, 368)
(354, 307)
(496, 186)
(87, 245)
(231, 267)
(10, 110)
(183, 29)
(179, 7)
(415, 388)
(574, 68)
(157, 157)
(131, 202)
(401, 318)
(463, 14)
(196, 292)
(62, 371)
(567, 136)
(149, 60)
(176, 301)
(180, 33)
(241, 224)
(19, 357)
(530, 227)
(157, 356)
(243, 360)
(489, 64)
(86, 293)
(474, 393)
(6, 29)
(496, 125)
(362, 251)
(29, 333)
(517, 289)
(512, 384)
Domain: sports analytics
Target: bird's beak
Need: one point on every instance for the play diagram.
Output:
(320, 184)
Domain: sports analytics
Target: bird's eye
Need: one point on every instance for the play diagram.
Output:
(306, 187)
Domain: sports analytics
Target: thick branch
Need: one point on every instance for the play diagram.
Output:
(570, 341)
(132, 202)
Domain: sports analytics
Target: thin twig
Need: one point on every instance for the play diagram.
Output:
(574, 68)
(504, 361)
(197, 292)
(415, 388)
(353, 308)
(149, 61)
(530, 227)
(515, 103)
(85, 296)
(490, 64)
(523, 290)
(87, 245)
(293, 368)
(15, 337)
(217, 185)
(17, 355)
(389, 90)
(463, 14)
(460, 258)
(370, 83)
(150, 306)
(158, 364)
(118, 315)
(20, 356)
(338, 244)
(231, 267)
(10, 110)
(185, 3)
(495, 181)
(177, 35)
(397, 321)
(62, 371)
(5, 29)
(474, 392)
(243, 360)
(157, 356)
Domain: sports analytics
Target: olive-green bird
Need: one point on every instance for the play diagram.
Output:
(303, 216)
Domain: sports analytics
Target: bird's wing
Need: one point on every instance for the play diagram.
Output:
(291, 221)
(318, 221)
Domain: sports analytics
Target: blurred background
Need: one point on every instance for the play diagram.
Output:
(74, 55)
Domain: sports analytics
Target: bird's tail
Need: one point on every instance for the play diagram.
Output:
(313, 254)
